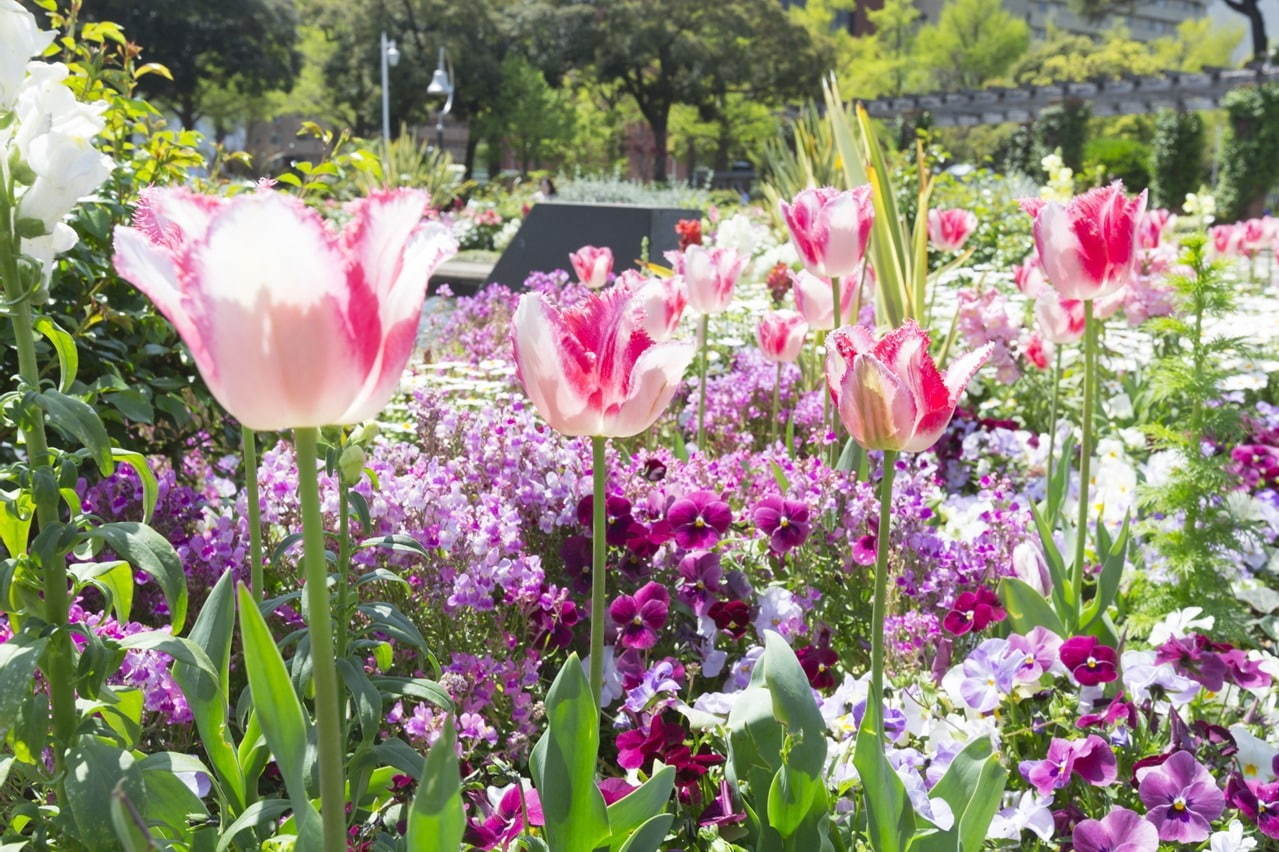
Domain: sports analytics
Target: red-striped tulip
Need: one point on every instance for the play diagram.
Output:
(594, 370)
(888, 392)
(662, 302)
(709, 274)
(781, 335)
(1059, 320)
(950, 229)
(290, 324)
(1089, 247)
(814, 299)
(1153, 226)
(830, 228)
(593, 265)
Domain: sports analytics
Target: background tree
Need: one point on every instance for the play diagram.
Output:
(1177, 161)
(972, 42)
(1250, 156)
(244, 47)
(530, 118)
(1096, 10)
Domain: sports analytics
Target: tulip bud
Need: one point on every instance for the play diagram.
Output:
(351, 464)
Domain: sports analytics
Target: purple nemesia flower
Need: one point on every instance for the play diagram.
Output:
(698, 520)
(990, 673)
(699, 580)
(1089, 661)
(785, 522)
(1258, 802)
(1182, 798)
(639, 616)
(1121, 830)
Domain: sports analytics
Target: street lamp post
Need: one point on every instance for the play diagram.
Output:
(390, 58)
(442, 86)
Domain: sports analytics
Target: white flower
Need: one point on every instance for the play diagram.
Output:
(1232, 839)
(67, 169)
(1180, 623)
(778, 611)
(1256, 756)
(1032, 811)
(20, 39)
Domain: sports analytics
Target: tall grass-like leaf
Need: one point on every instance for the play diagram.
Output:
(436, 818)
(279, 713)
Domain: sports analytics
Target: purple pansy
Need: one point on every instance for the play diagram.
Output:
(638, 617)
(1090, 758)
(989, 673)
(1121, 830)
(785, 522)
(973, 612)
(1182, 798)
(1258, 802)
(1089, 661)
(699, 580)
(698, 520)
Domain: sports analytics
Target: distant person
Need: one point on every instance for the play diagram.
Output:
(545, 190)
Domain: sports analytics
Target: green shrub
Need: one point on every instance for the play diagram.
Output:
(1250, 158)
(1119, 159)
(1177, 157)
(1063, 127)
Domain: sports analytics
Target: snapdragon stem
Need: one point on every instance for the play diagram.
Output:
(249, 449)
(879, 607)
(701, 385)
(57, 667)
(1052, 418)
(600, 476)
(772, 421)
(1085, 458)
(328, 731)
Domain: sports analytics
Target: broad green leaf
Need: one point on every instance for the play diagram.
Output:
(76, 418)
(973, 787)
(279, 713)
(114, 579)
(890, 816)
(150, 488)
(18, 659)
(576, 818)
(1053, 559)
(436, 819)
(789, 798)
(398, 542)
(368, 701)
(649, 836)
(16, 515)
(208, 696)
(151, 553)
(129, 823)
(779, 476)
(94, 769)
(1027, 609)
(262, 814)
(393, 622)
(1113, 556)
(793, 705)
(414, 687)
(640, 805)
(64, 344)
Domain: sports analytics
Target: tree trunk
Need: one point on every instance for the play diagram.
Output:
(472, 144)
(1251, 9)
(658, 124)
(187, 112)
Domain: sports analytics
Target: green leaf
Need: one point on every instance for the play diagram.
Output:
(18, 659)
(436, 819)
(1027, 609)
(793, 705)
(261, 815)
(678, 448)
(150, 488)
(398, 542)
(95, 770)
(133, 404)
(973, 787)
(649, 836)
(208, 696)
(890, 816)
(279, 713)
(76, 418)
(576, 817)
(64, 344)
(177, 647)
(16, 515)
(848, 456)
(151, 553)
(368, 701)
(1113, 556)
(640, 805)
(114, 579)
(779, 476)
(1053, 559)
(414, 687)
(386, 618)
(789, 798)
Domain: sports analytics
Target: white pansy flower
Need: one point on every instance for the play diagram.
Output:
(1256, 756)
(20, 39)
(1232, 839)
(1181, 623)
(1032, 812)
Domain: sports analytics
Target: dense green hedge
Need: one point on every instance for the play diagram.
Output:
(1177, 158)
(1250, 157)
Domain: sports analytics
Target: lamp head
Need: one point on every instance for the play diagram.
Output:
(392, 54)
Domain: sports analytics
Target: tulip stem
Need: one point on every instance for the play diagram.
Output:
(599, 475)
(1085, 448)
(875, 706)
(701, 385)
(328, 733)
(834, 295)
(1052, 417)
(57, 667)
(772, 421)
(249, 449)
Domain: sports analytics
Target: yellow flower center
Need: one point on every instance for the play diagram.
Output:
(783, 523)
(1179, 804)
(699, 523)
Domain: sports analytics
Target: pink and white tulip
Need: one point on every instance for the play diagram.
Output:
(830, 228)
(1153, 226)
(661, 302)
(1089, 247)
(814, 299)
(948, 230)
(593, 265)
(781, 336)
(594, 370)
(888, 392)
(709, 274)
(1059, 320)
(290, 323)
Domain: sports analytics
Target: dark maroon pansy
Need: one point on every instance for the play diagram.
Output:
(1089, 661)
(733, 617)
(973, 612)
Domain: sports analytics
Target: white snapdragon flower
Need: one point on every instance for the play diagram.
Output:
(20, 39)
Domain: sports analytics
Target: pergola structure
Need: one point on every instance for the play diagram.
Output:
(1127, 95)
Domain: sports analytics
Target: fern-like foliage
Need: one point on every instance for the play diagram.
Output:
(1192, 527)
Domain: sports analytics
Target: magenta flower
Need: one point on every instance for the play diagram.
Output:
(818, 661)
(785, 522)
(699, 579)
(1118, 710)
(1089, 661)
(1182, 798)
(617, 518)
(1258, 802)
(974, 611)
(1121, 830)
(698, 520)
(864, 549)
(1091, 759)
(639, 616)
(505, 820)
(733, 617)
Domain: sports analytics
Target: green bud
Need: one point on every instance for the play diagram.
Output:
(364, 434)
(351, 464)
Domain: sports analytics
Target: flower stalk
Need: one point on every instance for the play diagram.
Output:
(249, 449)
(1086, 448)
(598, 552)
(701, 383)
(1052, 417)
(879, 607)
(323, 664)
